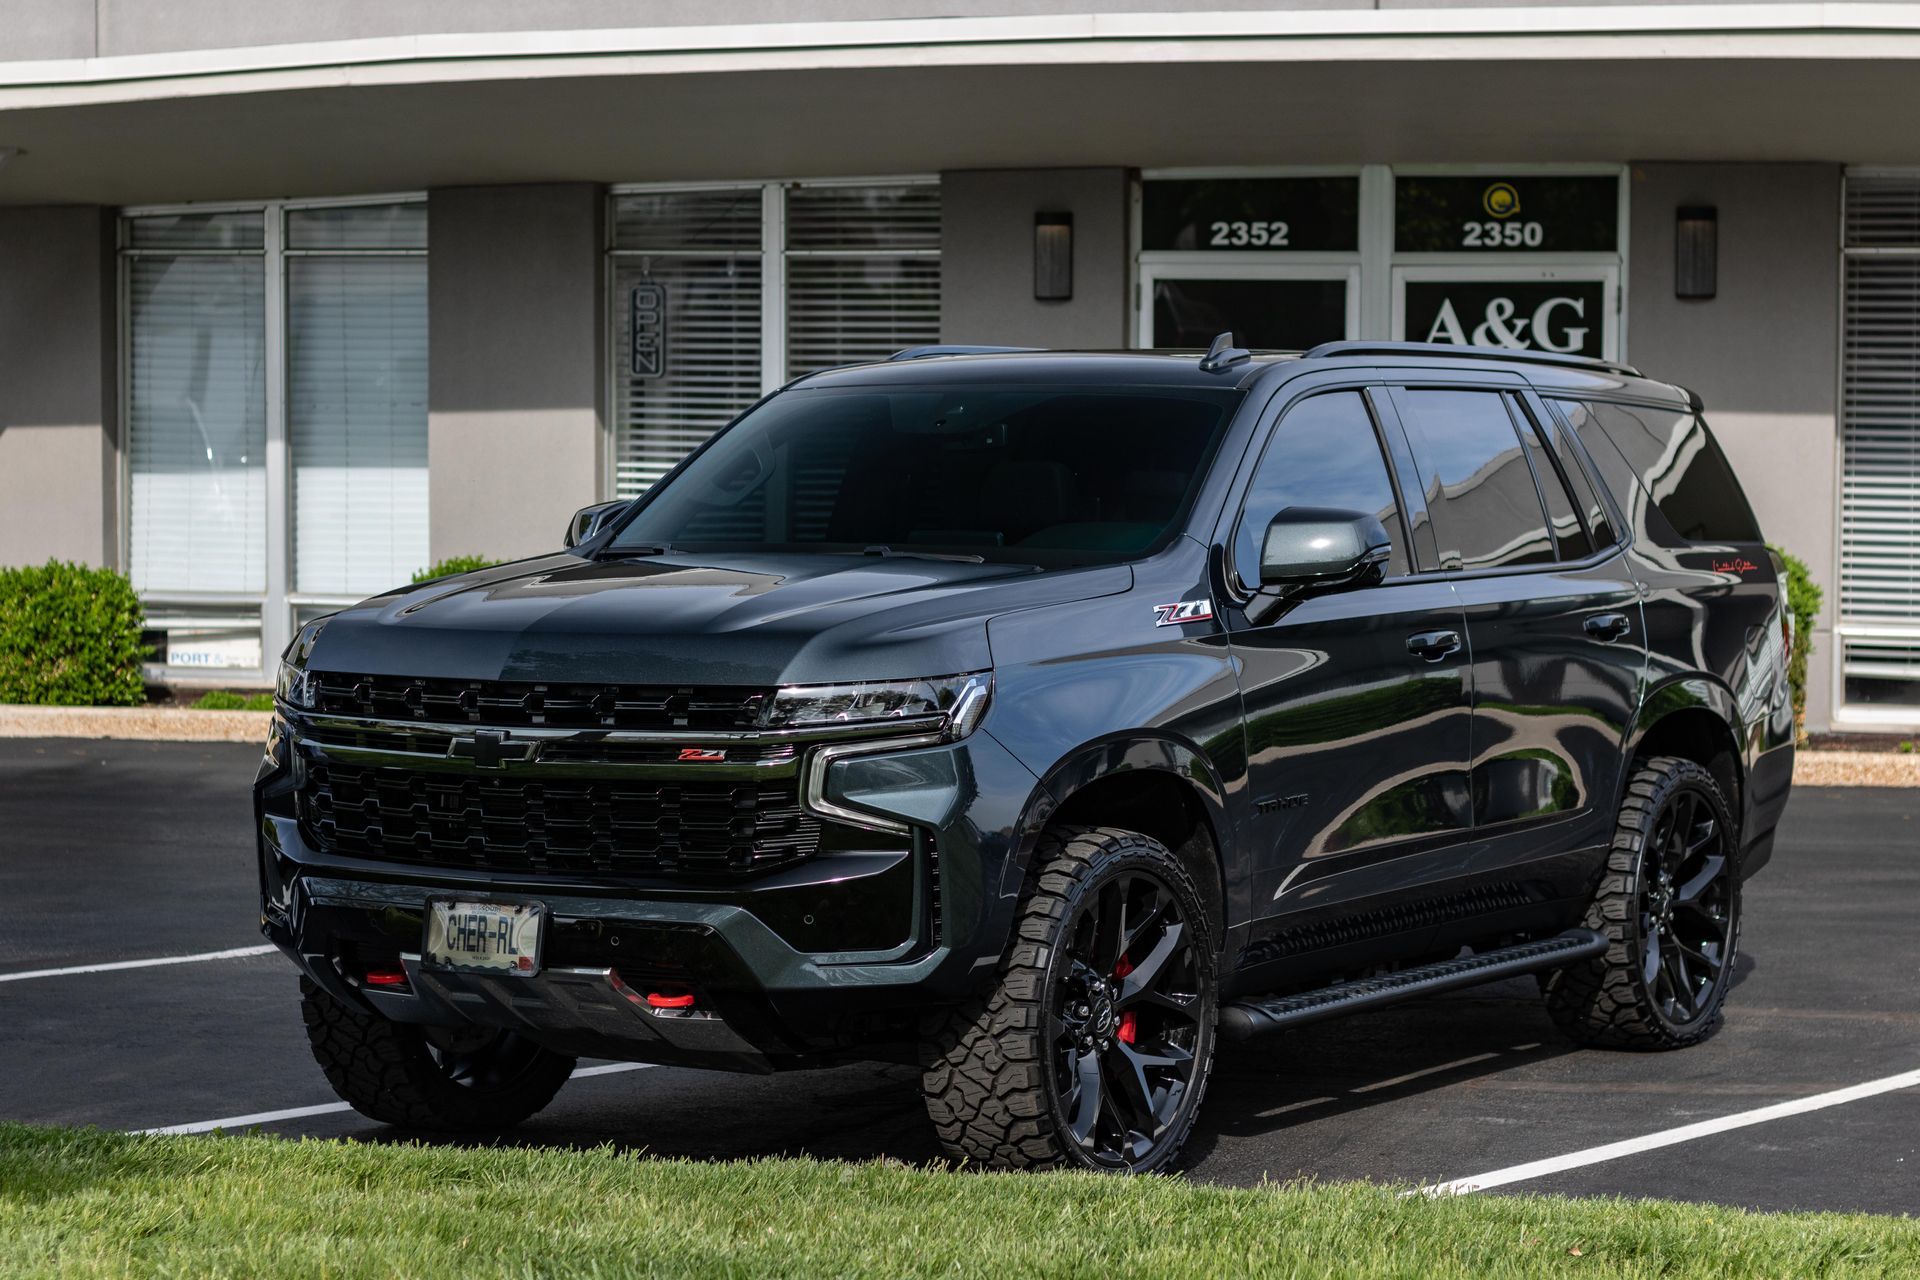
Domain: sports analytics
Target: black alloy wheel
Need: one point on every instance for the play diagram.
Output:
(1094, 1048)
(1124, 1020)
(1668, 902)
(1686, 916)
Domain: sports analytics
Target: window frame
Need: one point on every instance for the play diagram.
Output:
(1272, 416)
(1533, 398)
(277, 605)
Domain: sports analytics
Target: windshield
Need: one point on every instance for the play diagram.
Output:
(1054, 475)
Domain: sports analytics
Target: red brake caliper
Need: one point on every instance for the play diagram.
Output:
(1129, 1024)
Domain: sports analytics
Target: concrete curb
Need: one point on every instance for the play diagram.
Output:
(149, 724)
(183, 724)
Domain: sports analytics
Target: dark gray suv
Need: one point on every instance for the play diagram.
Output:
(1038, 718)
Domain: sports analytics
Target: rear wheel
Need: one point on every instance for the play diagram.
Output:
(1095, 1047)
(1669, 904)
(463, 1080)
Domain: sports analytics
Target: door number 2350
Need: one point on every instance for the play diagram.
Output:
(1235, 235)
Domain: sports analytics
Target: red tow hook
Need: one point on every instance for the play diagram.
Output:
(670, 999)
(386, 978)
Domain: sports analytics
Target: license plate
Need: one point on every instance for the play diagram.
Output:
(493, 937)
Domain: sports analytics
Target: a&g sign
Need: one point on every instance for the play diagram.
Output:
(1562, 316)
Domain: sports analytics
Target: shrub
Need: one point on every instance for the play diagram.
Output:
(1803, 601)
(70, 637)
(452, 565)
(227, 700)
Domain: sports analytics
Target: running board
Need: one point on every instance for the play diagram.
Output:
(1245, 1019)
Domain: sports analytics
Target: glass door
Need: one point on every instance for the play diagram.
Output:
(1264, 305)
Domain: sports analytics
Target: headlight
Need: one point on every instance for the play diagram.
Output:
(294, 688)
(961, 699)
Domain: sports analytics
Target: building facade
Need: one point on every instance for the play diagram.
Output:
(298, 299)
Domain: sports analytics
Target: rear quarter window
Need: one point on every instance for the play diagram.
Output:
(1671, 459)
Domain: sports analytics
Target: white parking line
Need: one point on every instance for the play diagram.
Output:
(1671, 1137)
(232, 953)
(333, 1108)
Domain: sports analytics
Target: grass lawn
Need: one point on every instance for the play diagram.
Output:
(86, 1203)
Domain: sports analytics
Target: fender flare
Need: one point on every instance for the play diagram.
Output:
(1691, 692)
(1101, 758)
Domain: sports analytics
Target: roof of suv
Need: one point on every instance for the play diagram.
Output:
(948, 365)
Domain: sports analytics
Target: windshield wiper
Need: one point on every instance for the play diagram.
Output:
(890, 554)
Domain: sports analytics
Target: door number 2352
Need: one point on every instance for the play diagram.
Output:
(1239, 235)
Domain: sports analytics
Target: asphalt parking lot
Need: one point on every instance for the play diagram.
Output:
(115, 852)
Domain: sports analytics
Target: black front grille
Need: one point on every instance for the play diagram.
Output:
(555, 705)
(591, 828)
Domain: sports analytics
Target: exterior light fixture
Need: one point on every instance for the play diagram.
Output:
(1696, 252)
(1053, 256)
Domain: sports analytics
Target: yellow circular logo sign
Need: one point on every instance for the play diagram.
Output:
(1500, 200)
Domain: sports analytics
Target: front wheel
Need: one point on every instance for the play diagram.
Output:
(466, 1080)
(1095, 1047)
(1669, 904)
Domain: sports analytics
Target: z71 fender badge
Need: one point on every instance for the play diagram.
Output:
(1166, 615)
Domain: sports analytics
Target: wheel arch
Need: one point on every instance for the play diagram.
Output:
(1157, 784)
(1696, 719)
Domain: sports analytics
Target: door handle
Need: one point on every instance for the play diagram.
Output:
(1608, 627)
(1433, 645)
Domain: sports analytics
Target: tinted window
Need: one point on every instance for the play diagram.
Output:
(1569, 535)
(1584, 496)
(1486, 511)
(1038, 475)
(1324, 453)
(1673, 459)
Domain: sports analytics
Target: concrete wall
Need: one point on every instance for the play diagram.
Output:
(59, 471)
(513, 423)
(1763, 353)
(986, 245)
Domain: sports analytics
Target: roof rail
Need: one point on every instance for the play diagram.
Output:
(921, 353)
(1456, 351)
(1223, 354)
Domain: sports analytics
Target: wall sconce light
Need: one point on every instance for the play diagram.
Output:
(1696, 252)
(1052, 256)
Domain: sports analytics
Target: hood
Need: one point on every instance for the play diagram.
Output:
(697, 619)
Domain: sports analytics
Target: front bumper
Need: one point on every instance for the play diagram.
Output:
(834, 957)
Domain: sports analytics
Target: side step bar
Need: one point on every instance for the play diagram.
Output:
(1245, 1019)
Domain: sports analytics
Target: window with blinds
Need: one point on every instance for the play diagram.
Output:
(197, 412)
(863, 273)
(224, 533)
(357, 396)
(1880, 444)
(721, 294)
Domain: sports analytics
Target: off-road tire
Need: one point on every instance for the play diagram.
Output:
(985, 1062)
(387, 1071)
(1605, 1002)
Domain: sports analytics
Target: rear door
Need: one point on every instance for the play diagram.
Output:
(1553, 617)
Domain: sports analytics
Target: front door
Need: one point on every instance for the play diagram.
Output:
(1263, 305)
(1356, 701)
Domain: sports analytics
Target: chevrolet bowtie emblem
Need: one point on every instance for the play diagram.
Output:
(490, 749)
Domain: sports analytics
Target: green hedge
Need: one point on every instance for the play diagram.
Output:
(70, 637)
(228, 700)
(1803, 600)
(452, 565)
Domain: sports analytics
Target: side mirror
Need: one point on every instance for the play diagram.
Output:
(588, 521)
(1309, 547)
